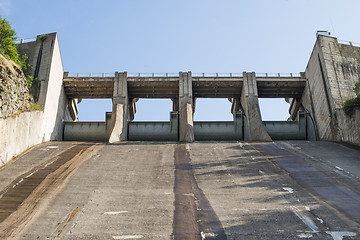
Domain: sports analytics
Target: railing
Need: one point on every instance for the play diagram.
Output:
(349, 43)
(91, 75)
(278, 74)
(153, 74)
(165, 75)
(25, 40)
(217, 74)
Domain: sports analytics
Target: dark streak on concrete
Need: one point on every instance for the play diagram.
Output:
(21, 188)
(193, 213)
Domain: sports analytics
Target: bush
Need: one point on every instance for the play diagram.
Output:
(350, 105)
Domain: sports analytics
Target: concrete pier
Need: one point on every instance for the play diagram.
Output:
(250, 104)
(186, 123)
(120, 113)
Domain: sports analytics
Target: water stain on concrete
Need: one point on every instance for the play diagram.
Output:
(194, 218)
(20, 201)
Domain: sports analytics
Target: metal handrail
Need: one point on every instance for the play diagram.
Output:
(278, 74)
(149, 75)
(344, 42)
(25, 40)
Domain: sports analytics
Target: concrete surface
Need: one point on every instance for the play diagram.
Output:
(331, 73)
(250, 104)
(212, 190)
(186, 108)
(27, 129)
(18, 133)
(120, 112)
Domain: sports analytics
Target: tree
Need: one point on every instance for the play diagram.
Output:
(7, 41)
(8, 47)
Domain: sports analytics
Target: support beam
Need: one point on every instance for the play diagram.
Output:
(250, 104)
(186, 107)
(120, 113)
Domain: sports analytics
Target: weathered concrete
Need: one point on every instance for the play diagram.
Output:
(120, 113)
(166, 86)
(48, 90)
(88, 131)
(186, 108)
(255, 199)
(331, 74)
(28, 129)
(250, 104)
(229, 187)
(18, 133)
(155, 131)
(301, 129)
(220, 131)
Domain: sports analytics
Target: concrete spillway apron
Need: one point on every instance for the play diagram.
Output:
(23, 198)
(319, 184)
(194, 218)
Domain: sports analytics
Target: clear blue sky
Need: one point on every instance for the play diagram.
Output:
(184, 35)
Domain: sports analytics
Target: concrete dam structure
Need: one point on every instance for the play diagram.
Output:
(242, 185)
(316, 108)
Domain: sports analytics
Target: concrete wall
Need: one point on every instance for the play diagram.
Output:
(19, 133)
(217, 131)
(47, 69)
(27, 129)
(331, 74)
(155, 131)
(220, 130)
(85, 131)
(302, 129)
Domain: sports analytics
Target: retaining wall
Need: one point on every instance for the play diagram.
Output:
(19, 133)
(331, 74)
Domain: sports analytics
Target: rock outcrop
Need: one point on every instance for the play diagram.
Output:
(14, 93)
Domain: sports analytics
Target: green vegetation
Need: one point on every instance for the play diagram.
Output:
(35, 106)
(351, 104)
(8, 48)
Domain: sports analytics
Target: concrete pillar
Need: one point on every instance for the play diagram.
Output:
(186, 107)
(120, 112)
(250, 104)
(239, 125)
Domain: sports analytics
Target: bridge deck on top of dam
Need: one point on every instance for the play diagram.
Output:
(167, 85)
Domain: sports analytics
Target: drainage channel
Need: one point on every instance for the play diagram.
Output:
(194, 218)
(33, 184)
